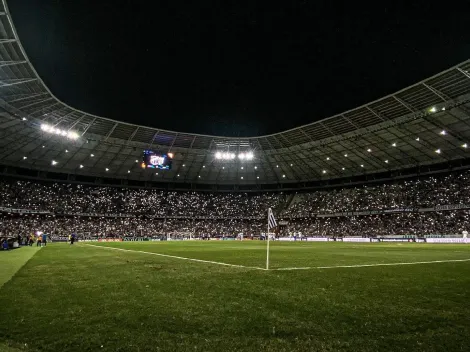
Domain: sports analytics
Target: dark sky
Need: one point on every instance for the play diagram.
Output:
(235, 67)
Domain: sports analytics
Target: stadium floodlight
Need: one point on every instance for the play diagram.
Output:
(249, 156)
(241, 168)
(433, 109)
(324, 171)
(44, 146)
(464, 145)
(283, 176)
(128, 171)
(241, 156)
(386, 161)
(232, 156)
(176, 175)
(257, 177)
(394, 145)
(328, 158)
(92, 155)
(256, 167)
(136, 160)
(443, 133)
(218, 155)
(241, 177)
(443, 108)
(54, 162)
(291, 165)
(223, 167)
(345, 155)
(343, 168)
(277, 165)
(81, 166)
(157, 174)
(203, 166)
(362, 165)
(66, 150)
(417, 139)
(199, 176)
(184, 165)
(369, 150)
(438, 151)
(107, 169)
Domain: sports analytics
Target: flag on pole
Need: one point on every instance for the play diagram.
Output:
(271, 220)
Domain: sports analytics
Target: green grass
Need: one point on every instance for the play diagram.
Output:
(11, 261)
(79, 298)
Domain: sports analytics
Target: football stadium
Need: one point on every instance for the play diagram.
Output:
(345, 234)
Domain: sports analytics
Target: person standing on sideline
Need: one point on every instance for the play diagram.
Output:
(44, 239)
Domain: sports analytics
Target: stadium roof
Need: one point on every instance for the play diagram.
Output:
(426, 123)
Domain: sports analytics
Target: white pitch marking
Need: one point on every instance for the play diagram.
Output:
(176, 257)
(378, 264)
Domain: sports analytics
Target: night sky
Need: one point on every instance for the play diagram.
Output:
(236, 68)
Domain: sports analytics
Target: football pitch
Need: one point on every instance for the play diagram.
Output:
(216, 296)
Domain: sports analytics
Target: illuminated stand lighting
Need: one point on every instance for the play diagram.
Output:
(231, 156)
(50, 129)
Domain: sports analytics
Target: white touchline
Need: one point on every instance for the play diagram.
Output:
(176, 257)
(377, 264)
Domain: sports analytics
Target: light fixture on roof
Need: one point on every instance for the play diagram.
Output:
(438, 151)
(24, 119)
(44, 146)
(241, 168)
(157, 174)
(136, 160)
(241, 177)
(394, 144)
(92, 155)
(327, 158)
(128, 171)
(283, 176)
(81, 166)
(362, 165)
(25, 157)
(54, 162)
(50, 129)
(257, 177)
(223, 167)
(203, 166)
(256, 167)
(66, 150)
(464, 145)
(218, 155)
(241, 156)
(249, 156)
(345, 155)
(324, 171)
(369, 150)
(291, 165)
(386, 161)
(277, 165)
(107, 169)
(443, 133)
(417, 139)
(433, 109)
(343, 168)
(184, 165)
(199, 176)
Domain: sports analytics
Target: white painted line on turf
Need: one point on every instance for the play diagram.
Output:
(372, 265)
(177, 257)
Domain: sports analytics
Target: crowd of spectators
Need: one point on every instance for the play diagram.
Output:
(92, 211)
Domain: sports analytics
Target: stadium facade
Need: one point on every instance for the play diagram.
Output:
(420, 129)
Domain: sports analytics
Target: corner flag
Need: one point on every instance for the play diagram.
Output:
(271, 220)
(271, 224)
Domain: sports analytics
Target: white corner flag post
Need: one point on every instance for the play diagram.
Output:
(271, 224)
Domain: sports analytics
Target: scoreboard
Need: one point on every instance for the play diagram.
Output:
(154, 160)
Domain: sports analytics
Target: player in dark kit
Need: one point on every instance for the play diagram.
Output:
(72, 238)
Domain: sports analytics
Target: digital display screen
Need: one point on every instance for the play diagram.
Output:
(154, 160)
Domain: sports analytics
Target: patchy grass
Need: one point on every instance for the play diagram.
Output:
(82, 298)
